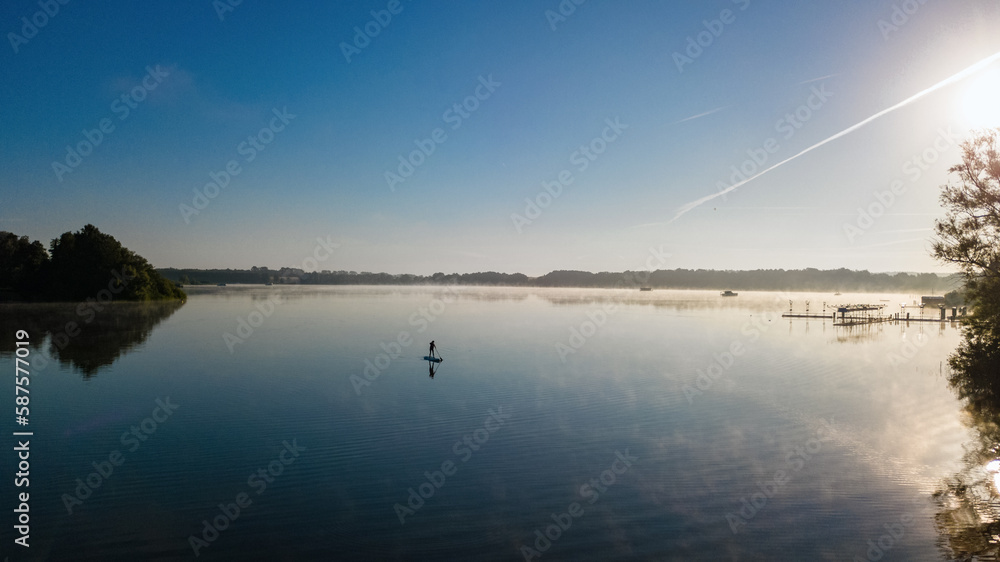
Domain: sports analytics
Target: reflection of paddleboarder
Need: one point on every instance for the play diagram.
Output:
(432, 350)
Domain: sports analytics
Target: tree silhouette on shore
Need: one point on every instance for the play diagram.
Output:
(87, 264)
(969, 237)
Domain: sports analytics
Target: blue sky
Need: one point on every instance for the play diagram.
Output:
(684, 123)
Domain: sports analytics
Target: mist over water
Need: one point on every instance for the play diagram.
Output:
(664, 425)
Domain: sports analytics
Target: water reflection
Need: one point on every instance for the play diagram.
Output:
(897, 429)
(860, 333)
(994, 467)
(87, 342)
(969, 503)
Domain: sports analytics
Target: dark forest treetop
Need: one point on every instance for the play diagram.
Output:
(79, 265)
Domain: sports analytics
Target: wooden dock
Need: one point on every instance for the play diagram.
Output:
(873, 320)
(864, 314)
(824, 316)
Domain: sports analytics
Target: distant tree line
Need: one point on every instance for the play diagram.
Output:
(256, 275)
(757, 280)
(262, 274)
(77, 266)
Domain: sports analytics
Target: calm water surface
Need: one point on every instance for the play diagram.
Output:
(671, 425)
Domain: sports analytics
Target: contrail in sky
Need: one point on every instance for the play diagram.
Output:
(704, 114)
(811, 80)
(944, 83)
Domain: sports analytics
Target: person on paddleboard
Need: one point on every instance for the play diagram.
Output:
(432, 350)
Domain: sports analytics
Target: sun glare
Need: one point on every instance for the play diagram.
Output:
(981, 101)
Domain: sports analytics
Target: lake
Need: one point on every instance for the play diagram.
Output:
(301, 423)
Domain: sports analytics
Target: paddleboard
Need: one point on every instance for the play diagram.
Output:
(434, 359)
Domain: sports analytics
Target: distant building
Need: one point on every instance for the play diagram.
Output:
(291, 275)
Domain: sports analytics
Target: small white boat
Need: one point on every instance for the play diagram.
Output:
(729, 294)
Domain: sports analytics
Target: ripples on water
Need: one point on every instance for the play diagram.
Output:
(707, 449)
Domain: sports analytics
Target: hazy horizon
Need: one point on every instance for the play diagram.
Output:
(942, 273)
(645, 112)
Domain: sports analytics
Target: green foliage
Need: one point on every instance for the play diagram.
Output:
(969, 237)
(978, 357)
(21, 262)
(81, 265)
(955, 298)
